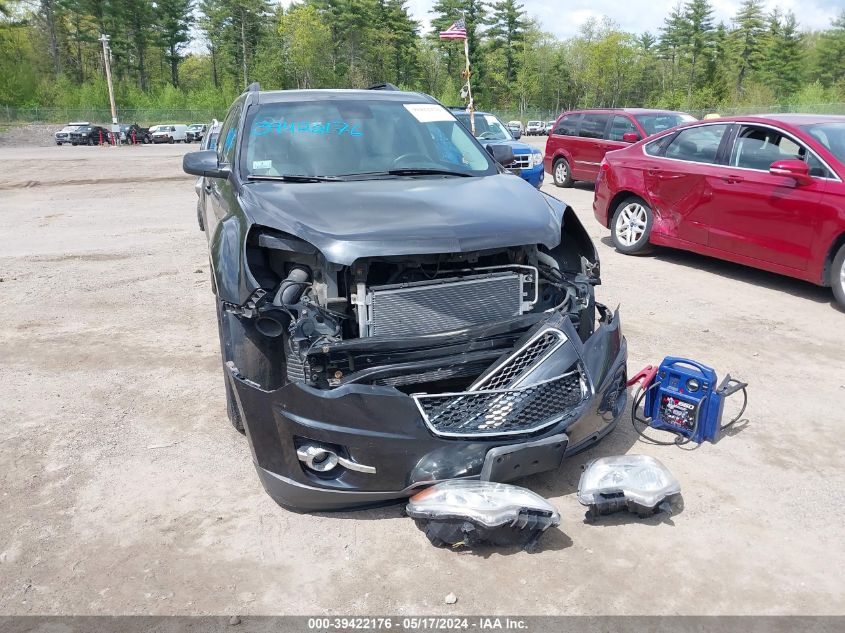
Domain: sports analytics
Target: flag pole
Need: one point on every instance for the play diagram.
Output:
(471, 107)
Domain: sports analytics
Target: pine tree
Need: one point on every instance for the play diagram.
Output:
(507, 32)
(747, 39)
(698, 22)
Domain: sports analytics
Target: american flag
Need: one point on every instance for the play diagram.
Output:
(458, 31)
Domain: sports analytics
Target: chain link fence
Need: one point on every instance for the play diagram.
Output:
(142, 116)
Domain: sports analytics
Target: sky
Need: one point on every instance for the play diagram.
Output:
(564, 17)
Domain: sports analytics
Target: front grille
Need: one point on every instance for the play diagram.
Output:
(518, 365)
(521, 161)
(503, 411)
(442, 307)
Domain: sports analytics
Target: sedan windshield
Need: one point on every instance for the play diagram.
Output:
(659, 121)
(831, 135)
(347, 138)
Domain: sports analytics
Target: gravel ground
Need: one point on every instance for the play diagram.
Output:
(125, 490)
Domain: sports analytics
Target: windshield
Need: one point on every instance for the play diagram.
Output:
(659, 121)
(831, 135)
(487, 127)
(339, 138)
(535, 123)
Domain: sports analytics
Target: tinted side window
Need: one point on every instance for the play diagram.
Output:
(697, 144)
(655, 148)
(568, 125)
(621, 125)
(228, 136)
(594, 125)
(759, 147)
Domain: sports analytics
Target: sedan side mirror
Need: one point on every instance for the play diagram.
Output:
(204, 163)
(502, 154)
(796, 169)
(630, 137)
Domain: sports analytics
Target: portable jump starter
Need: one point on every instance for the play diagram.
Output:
(682, 396)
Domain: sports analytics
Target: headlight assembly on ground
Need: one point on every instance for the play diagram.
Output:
(637, 483)
(469, 513)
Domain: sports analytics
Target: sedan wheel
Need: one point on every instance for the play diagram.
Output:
(837, 277)
(631, 226)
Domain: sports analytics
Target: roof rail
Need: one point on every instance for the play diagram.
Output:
(384, 86)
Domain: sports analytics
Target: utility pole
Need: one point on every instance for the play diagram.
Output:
(107, 62)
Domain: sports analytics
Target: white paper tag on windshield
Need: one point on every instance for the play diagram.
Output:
(262, 164)
(490, 119)
(428, 112)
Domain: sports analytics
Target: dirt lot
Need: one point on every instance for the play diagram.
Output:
(125, 490)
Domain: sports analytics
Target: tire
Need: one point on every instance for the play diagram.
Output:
(630, 227)
(171, 141)
(59, 144)
(74, 144)
(561, 173)
(837, 277)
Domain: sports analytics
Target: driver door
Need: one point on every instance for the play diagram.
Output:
(761, 215)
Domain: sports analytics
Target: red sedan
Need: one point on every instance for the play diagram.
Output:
(764, 191)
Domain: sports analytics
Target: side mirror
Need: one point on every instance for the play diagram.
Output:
(630, 137)
(796, 169)
(502, 154)
(204, 163)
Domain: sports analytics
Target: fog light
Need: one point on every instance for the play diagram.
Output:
(469, 513)
(321, 459)
(637, 483)
(317, 458)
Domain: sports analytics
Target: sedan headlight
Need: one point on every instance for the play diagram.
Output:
(536, 158)
(468, 512)
(638, 483)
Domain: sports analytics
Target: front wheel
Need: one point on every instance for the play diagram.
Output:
(561, 173)
(631, 226)
(837, 277)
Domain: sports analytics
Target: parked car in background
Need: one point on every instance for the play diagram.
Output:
(489, 130)
(549, 127)
(88, 134)
(581, 138)
(63, 135)
(170, 133)
(516, 128)
(764, 191)
(535, 128)
(131, 133)
(196, 132)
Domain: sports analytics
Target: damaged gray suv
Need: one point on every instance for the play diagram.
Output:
(395, 307)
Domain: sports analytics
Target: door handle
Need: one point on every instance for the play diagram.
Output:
(653, 171)
(732, 180)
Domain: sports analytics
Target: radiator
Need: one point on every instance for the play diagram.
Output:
(450, 304)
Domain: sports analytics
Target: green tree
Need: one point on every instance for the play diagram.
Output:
(507, 32)
(174, 19)
(699, 37)
(747, 40)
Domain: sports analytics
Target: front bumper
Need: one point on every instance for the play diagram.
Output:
(382, 427)
(533, 175)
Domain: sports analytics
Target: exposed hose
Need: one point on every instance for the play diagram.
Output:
(291, 289)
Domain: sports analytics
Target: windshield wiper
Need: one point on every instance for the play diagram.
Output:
(297, 178)
(424, 171)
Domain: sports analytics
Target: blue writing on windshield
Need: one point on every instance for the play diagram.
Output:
(340, 128)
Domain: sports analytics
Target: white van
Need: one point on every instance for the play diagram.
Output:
(170, 133)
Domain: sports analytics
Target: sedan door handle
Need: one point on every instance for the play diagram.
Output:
(732, 180)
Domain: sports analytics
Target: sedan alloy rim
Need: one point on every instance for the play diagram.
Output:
(631, 224)
(842, 276)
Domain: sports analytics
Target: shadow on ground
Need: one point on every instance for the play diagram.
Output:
(741, 273)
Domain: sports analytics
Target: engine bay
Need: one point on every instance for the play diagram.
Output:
(424, 323)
